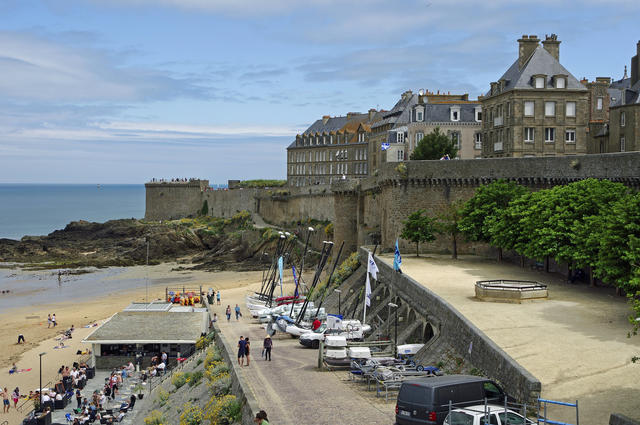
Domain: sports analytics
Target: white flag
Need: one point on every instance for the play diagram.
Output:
(372, 268)
(367, 292)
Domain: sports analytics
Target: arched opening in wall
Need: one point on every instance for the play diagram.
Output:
(427, 334)
(411, 317)
(415, 337)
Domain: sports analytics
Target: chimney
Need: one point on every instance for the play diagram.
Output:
(372, 112)
(635, 65)
(526, 46)
(552, 45)
(325, 118)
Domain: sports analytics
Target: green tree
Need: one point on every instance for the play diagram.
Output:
(434, 146)
(487, 203)
(418, 227)
(448, 223)
(205, 208)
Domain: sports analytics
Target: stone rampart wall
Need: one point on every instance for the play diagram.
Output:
(168, 200)
(458, 332)
(226, 203)
(298, 204)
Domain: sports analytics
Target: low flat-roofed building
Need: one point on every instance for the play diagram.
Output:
(147, 329)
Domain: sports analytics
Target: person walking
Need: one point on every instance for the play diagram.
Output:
(20, 339)
(267, 345)
(241, 350)
(79, 396)
(54, 320)
(218, 297)
(238, 314)
(246, 349)
(228, 312)
(5, 401)
(15, 396)
(261, 418)
(48, 321)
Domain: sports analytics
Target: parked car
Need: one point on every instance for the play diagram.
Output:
(426, 400)
(491, 414)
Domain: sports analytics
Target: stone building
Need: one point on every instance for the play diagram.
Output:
(331, 148)
(537, 108)
(624, 115)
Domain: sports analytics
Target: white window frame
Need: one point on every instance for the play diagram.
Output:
(529, 134)
(561, 81)
(548, 105)
(539, 82)
(478, 114)
(419, 115)
(533, 108)
(599, 103)
(623, 145)
(456, 139)
(623, 119)
(400, 137)
(549, 135)
(570, 136)
(477, 138)
(574, 109)
(454, 114)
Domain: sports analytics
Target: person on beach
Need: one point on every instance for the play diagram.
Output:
(78, 398)
(214, 320)
(20, 339)
(13, 369)
(241, 350)
(246, 349)
(48, 321)
(267, 345)
(238, 314)
(54, 320)
(261, 418)
(5, 401)
(15, 396)
(218, 297)
(228, 312)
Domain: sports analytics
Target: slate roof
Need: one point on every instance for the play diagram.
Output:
(336, 124)
(400, 114)
(146, 327)
(540, 62)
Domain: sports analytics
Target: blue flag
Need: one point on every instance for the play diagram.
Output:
(397, 259)
(295, 280)
(385, 146)
(280, 269)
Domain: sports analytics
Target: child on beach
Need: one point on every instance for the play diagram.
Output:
(228, 313)
(15, 396)
(218, 297)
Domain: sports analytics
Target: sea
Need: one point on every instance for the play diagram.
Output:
(39, 209)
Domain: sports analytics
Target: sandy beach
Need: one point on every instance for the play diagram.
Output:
(81, 310)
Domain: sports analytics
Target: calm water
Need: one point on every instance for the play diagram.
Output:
(39, 209)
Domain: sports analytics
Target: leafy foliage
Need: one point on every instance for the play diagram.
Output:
(418, 227)
(179, 379)
(447, 223)
(262, 183)
(191, 415)
(155, 418)
(434, 146)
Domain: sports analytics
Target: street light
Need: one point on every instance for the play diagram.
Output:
(395, 338)
(41, 354)
(339, 300)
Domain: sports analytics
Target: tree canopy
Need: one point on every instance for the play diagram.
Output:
(434, 146)
(418, 227)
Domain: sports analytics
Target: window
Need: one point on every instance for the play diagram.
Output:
(361, 137)
(599, 102)
(455, 138)
(549, 109)
(529, 134)
(455, 114)
(478, 115)
(622, 119)
(560, 82)
(549, 135)
(528, 108)
(419, 136)
(508, 109)
(331, 139)
(419, 116)
(400, 154)
(400, 137)
(571, 109)
(622, 144)
(570, 135)
(478, 141)
(539, 82)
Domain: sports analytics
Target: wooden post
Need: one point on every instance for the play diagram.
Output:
(321, 355)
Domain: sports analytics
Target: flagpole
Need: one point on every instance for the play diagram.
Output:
(367, 285)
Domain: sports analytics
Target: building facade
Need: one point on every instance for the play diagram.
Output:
(331, 148)
(624, 115)
(537, 108)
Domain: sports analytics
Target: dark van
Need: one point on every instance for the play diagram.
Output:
(426, 400)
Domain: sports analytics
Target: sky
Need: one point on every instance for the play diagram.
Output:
(121, 91)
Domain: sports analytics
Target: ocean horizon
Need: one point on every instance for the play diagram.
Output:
(36, 209)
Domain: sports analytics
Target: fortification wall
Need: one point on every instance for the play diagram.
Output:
(226, 203)
(171, 200)
(296, 204)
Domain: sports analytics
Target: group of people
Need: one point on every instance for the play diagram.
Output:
(52, 321)
(15, 396)
(236, 309)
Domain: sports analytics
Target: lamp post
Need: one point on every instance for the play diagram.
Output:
(339, 300)
(395, 338)
(41, 354)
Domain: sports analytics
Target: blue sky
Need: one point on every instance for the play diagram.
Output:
(119, 91)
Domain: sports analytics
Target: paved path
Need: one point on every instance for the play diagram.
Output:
(291, 389)
(575, 342)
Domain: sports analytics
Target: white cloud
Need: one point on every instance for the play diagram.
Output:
(38, 68)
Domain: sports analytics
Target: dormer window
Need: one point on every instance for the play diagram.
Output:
(419, 114)
(539, 82)
(455, 114)
(400, 137)
(478, 113)
(561, 82)
(361, 137)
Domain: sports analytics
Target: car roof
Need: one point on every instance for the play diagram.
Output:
(479, 409)
(440, 381)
